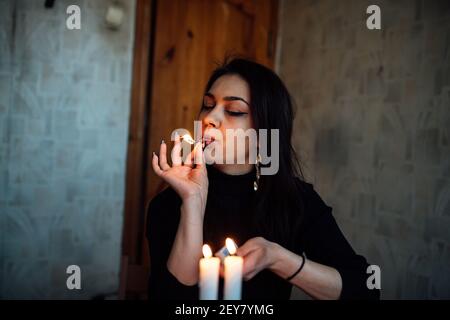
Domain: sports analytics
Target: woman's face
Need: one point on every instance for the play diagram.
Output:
(226, 106)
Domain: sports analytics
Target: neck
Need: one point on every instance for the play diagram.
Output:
(234, 169)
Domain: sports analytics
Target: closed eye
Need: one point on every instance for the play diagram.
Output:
(207, 107)
(236, 113)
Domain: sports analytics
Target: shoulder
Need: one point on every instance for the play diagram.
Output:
(315, 207)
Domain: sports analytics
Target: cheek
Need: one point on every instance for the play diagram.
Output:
(243, 123)
(246, 124)
(235, 124)
(201, 117)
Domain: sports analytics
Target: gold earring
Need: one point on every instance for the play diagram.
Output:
(258, 172)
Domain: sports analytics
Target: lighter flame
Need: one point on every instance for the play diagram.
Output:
(231, 246)
(188, 139)
(207, 253)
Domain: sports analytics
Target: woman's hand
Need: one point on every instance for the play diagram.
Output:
(258, 254)
(189, 180)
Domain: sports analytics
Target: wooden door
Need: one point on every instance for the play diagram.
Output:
(189, 38)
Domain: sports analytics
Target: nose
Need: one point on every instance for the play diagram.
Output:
(213, 118)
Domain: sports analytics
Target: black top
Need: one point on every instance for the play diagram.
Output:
(230, 199)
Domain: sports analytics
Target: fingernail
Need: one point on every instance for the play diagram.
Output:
(154, 154)
(162, 141)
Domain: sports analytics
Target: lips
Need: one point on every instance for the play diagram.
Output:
(207, 140)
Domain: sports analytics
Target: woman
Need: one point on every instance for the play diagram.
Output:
(285, 232)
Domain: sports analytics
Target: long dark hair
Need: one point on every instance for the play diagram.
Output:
(279, 208)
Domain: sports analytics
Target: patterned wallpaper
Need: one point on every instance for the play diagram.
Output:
(373, 130)
(64, 110)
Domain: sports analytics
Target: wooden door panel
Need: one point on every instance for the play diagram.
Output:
(191, 37)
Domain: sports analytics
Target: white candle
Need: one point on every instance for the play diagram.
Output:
(209, 275)
(233, 273)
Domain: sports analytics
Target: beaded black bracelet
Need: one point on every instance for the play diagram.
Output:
(299, 269)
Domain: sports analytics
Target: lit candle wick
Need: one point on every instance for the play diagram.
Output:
(207, 253)
(231, 246)
(228, 249)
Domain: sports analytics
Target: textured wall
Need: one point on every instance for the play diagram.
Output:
(373, 129)
(64, 110)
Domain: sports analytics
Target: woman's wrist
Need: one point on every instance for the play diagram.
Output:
(192, 211)
(284, 262)
(276, 256)
(195, 203)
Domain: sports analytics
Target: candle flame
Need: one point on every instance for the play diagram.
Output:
(207, 253)
(186, 137)
(231, 246)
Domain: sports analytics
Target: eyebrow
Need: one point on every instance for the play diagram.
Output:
(228, 98)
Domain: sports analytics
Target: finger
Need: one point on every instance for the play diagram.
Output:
(190, 158)
(250, 268)
(155, 165)
(246, 248)
(163, 156)
(251, 275)
(175, 154)
(194, 157)
(199, 156)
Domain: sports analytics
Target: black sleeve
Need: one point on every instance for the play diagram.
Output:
(162, 222)
(324, 243)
